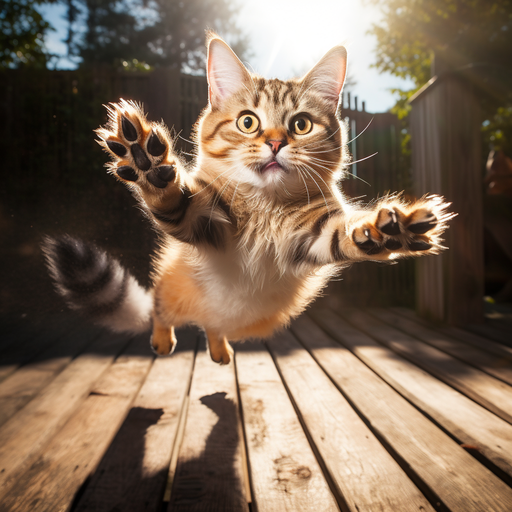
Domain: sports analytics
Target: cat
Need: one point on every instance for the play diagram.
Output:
(255, 227)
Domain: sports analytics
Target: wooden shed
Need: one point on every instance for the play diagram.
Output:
(446, 159)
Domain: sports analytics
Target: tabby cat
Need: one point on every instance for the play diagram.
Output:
(256, 226)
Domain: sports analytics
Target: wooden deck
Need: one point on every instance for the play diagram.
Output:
(354, 411)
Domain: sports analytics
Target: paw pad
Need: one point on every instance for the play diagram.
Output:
(129, 131)
(392, 227)
(116, 148)
(141, 150)
(409, 228)
(162, 175)
(140, 158)
(155, 146)
(127, 173)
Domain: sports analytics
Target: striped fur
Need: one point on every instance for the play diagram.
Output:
(96, 284)
(256, 225)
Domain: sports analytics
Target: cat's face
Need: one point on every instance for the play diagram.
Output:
(279, 138)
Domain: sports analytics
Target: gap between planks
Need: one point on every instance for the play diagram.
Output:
(209, 471)
(285, 474)
(443, 470)
(56, 474)
(23, 437)
(498, 367)
(133, 472)
(364, 475)
(459, 416)
(484, 389)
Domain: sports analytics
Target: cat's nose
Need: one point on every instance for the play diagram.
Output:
(276, 145)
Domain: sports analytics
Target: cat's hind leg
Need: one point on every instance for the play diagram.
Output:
(220, 349)
(163, 339)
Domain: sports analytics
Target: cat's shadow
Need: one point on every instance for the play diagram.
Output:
(212, 477)
(122, 483)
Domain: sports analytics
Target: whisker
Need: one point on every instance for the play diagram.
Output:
(234, 193)
(366, 127)
(218, 198)
(325, 150)
(323, 140)
(319, 160)
(361, 159)
(305, 184)
(186, 140)
(318, 174)
(352, 175)
(321, 192)
(214, 180)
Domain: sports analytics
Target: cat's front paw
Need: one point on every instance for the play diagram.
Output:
(141, 151)
(404, 228)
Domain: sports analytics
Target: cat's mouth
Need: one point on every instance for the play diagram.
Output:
(271, 167)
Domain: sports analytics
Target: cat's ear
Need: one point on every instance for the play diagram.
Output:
(328, 76)
(226, 73)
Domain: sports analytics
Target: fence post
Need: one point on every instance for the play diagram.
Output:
(446, 160)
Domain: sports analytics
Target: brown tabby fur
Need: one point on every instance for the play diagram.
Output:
(256, 225)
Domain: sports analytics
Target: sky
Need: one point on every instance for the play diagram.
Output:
(289, 36)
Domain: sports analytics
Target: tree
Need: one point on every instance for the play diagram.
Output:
(418, 35)
(167, 33)
(22, 31)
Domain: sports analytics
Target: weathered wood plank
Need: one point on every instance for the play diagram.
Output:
(23, 436)
(462, 335)
(476, 357)
(364, 474)
(16, 331)
(25, 350)
(21, 386)
(12, 333)
(503, 323)
(464, 419)
(491, 332)
(482, 388)
(285, 475)
(132, 474)
(209, 474)
(445, 472)
(54, 477)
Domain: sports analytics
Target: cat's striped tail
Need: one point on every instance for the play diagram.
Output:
(96, 284)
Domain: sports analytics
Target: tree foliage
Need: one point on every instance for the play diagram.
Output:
(460, 31)
(22, 32)
(148, 33)
(453, 33)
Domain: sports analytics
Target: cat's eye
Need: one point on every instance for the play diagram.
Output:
(302, 125)
(248, 123)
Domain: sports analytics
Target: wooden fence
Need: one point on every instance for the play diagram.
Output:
(446, 150)
(385, 172)
(52, 169)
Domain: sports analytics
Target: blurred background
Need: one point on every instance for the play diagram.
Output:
(420, 72)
